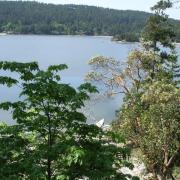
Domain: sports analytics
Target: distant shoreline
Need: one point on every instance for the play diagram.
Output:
(31, 34)
(75, 35)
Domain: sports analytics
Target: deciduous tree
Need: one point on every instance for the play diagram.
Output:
(50, 138)
(149, 79)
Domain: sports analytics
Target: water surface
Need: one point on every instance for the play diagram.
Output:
(75, 51)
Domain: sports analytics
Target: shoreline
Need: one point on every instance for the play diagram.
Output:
(71, 35)
(31, 34)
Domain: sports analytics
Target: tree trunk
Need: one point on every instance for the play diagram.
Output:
(155, 176)
(172, 177)
(49, 158)
(49, 170)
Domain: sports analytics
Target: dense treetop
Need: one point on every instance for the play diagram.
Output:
(150, 78)
(41, 18)
(51, 139)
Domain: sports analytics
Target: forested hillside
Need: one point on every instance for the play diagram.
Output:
(39, 18)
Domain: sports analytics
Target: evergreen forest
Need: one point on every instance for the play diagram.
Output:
(26, 17)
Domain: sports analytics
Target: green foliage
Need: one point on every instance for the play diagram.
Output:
(127, 37)
(149, 116)
(8, 81)
(51, 139)
(18, 17)
(150, 120)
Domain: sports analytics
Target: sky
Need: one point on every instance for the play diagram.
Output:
(142, 5)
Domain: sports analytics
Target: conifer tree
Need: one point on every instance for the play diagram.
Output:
(149, 79)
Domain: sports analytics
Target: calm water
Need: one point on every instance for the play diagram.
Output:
(75, 51)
